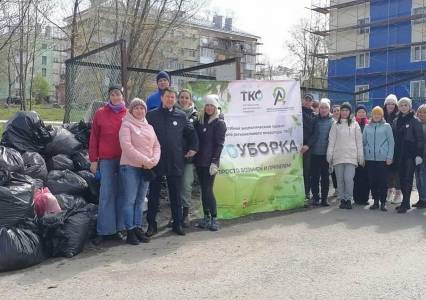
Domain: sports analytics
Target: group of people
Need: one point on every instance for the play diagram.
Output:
(135, 149)
(379, 154)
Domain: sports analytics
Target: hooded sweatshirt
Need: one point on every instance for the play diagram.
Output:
(139, 143)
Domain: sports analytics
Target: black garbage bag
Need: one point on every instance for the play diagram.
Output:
(17, 178)
(4, 177)
(25, 131)
(81, 160)
(81, 132)
(92, 193)
(11, 160)
(60, 162)
(16, 199)
(66, 182)
(67, 202)
(92, 210)
(64, 142)
(20, 247)
(65, 233)
(35, 166)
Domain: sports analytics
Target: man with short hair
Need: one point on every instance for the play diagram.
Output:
(308, 120)
(154, 100)
(173, 131)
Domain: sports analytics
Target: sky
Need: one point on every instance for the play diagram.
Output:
(269, 19)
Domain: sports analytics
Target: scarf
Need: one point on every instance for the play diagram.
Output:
(130, 118)
(116, 107)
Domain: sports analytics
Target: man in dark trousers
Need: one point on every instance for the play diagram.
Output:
(173, 131)
(308, 120)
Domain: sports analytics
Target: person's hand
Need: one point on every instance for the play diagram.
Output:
(361, 163)
(190, 154)
(418, 160)
(213, 169)
(388, 162)
(304, 149)
(93, 167)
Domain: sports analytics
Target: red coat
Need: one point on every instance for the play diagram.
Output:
(104, 141)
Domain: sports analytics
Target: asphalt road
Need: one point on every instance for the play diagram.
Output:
(323, 253)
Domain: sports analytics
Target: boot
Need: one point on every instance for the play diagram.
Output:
(178, 230)
(315, 201)
(342, 204)
(152, 229)
(131, 237)
(348, 204)
(141, 236)
(383, 206)
(214, 225)
(324, 202)
(375, 205)
(204, 223)
(185, 219)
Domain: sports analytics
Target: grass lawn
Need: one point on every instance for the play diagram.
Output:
(46, 112)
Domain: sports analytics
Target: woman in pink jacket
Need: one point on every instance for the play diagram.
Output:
(140, 153)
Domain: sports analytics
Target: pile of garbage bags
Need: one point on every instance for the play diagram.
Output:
(48, 196)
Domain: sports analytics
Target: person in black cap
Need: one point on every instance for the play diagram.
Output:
(154, 100)
(308, 121)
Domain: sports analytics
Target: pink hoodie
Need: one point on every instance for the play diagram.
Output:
(139, 144)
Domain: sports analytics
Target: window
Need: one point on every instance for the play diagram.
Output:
(364, 97)
(417, 89)
(44, 60)
(363, 30)
(43, 72)
(206, 52)
(418, 53)
(363, 60)
(418, 11)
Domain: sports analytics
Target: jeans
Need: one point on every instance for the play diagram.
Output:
(307, 172)
(421, 181)
(406, 176)
(174, 184)
(345, 181)
(107, 209)
(377, 175)
(207, 196)
(133, 189)
(319, 169)
(187, 181)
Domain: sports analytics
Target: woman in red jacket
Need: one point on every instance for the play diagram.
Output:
(104, 154)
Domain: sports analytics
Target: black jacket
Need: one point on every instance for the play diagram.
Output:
(174, 131)
(212, 137)
(408, 135)
(308, 124)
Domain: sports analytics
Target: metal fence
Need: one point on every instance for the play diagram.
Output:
(88, 77)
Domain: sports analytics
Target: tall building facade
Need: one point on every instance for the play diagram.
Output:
(376, 47)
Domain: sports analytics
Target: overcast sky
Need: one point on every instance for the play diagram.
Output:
(270, 19)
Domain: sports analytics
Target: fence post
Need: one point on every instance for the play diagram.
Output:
(124, 67)
(68, 82)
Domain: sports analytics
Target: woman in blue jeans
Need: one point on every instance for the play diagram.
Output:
(141, 152)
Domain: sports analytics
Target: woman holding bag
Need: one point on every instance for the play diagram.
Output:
(141, 152)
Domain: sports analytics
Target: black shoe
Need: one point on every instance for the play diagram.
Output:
(315, 202)
(185, 217)
(324, 203)
(131, 237)
(152, 229)
(420, 204)
(402, 209)
(383, 206)
(342, 204)
(375, 205)
(178, 230)
(348, 204)
(141, 236)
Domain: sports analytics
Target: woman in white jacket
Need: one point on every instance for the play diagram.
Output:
(345, 153)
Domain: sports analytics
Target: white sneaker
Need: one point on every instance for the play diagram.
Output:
(397, 198)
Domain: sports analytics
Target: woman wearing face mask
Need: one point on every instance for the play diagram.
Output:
(390, 109)
(211, 132)
(345, 153)
(361, 184)
(141, 152)
(408, 151)
(378, 153)
(185, 104)
(105, 153)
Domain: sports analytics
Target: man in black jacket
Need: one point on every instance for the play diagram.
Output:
(308, 121)
(173, 131)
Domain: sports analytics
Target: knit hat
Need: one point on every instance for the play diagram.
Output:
(405, 100)
(212, 100)
(391, 98)
(308, 96)
(135, 102)
(161, 75)
(325, 101)
(114, 87)
(377, 111)
(359, 107)
(346, 105)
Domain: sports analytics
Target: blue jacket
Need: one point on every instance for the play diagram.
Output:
(318, 142)
(154, 100)
(378, 141)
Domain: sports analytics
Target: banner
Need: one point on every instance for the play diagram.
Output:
(260, 167)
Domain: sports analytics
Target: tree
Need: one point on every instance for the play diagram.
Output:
(41, 88)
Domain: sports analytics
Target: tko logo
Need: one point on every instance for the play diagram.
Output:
(252, 95)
